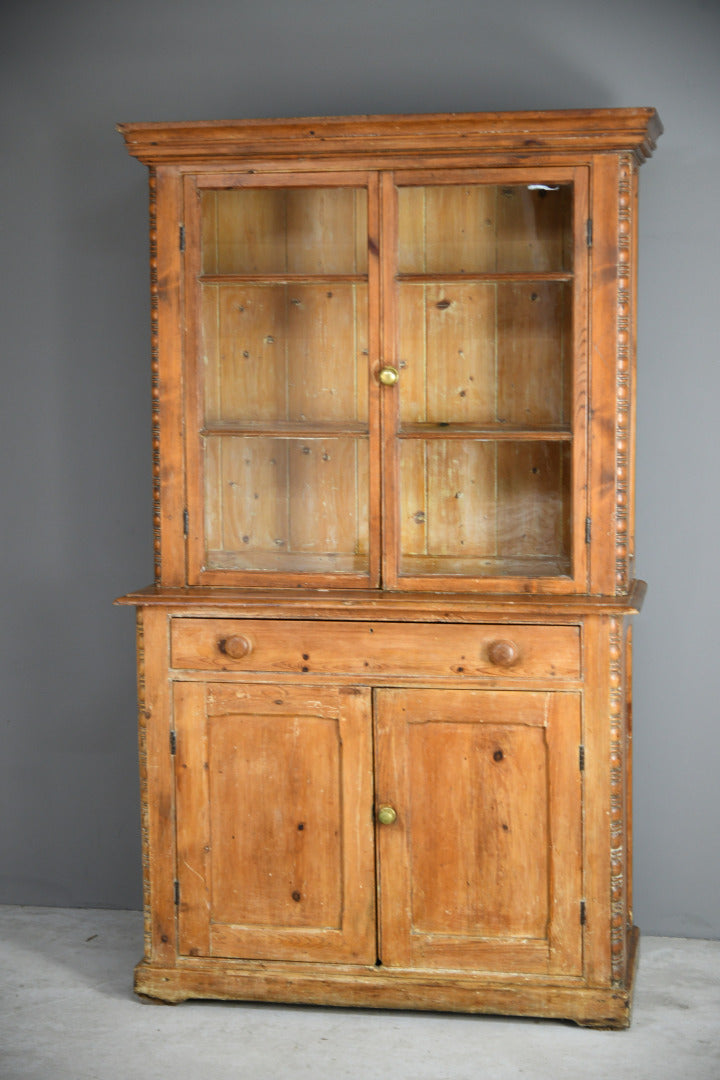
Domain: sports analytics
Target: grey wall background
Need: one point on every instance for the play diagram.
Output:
(74, 326)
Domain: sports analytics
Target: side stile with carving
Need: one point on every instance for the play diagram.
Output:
(155, 370)
(143, 763)
(628, 647)
(624, 375)
(618, 841)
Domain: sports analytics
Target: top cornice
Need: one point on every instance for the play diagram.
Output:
(572, 131)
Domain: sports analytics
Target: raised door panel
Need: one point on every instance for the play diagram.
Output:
(482, 868)
(275, 857)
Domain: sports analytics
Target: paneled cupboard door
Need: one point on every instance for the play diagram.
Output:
(481, 866)
(274, 857)
(387, 379)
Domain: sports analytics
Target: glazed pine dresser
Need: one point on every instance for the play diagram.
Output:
(385, 665)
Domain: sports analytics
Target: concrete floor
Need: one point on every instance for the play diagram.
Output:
(67, 1012)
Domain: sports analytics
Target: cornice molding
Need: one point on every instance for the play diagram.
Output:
(557, 131)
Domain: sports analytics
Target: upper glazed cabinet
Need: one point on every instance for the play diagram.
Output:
(407, 400)
(396, 371)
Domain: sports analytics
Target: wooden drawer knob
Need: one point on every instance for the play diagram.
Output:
(503, 653)
(235, 647)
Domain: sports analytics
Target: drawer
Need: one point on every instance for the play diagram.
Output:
(375, 649)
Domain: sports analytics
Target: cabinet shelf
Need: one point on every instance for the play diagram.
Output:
(489, 275)
(489, 432)
(519, 566)
(286, 429)
(282, 279)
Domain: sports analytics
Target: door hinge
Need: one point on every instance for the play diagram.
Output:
(186, 523)
(181, 237)
(581, 758)
(173, 743)
(588, 530)
(176, 886)
(583, 913)
(589, 232)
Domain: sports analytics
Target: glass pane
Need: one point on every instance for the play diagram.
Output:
(485, 507)
(485, 352)
(293, 352)
(286, 504)
(534, 353)
(483, 228)
(284, 231)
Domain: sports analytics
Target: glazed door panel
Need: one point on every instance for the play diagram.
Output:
(275, 857)
(485, 428)
(482, 868)
(282, 419)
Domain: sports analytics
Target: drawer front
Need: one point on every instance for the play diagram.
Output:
(376, 649)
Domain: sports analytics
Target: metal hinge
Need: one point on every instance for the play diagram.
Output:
(176, 886)
(186, 522)
(182, 237)
(173, 743)
(589, 232)
(583, 913)
(588, 530)
(581, 757)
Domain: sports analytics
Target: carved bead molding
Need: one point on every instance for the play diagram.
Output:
(155, 369)
(618, 849)
(624, 372)
(142, 754)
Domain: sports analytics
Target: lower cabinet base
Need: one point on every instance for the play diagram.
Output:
(227, 980)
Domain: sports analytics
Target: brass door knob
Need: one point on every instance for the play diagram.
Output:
(235, 647)
(503, 653)
(388, 376)
(387, 815)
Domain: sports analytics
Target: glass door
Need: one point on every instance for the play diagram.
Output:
(485, 425)
(282, 318)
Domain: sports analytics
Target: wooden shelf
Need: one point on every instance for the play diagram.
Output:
(519, 566)
(489, 275)
(489, 432)
(289, 562)
(286, 429)
(283, 279)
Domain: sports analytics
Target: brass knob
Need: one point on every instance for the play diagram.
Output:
(235, 647)
(387, 815)
(503, 653)
(388, 376)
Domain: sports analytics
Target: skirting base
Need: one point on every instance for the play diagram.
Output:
(232, 980)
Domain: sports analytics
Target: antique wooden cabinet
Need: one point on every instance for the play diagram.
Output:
(384, 668)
